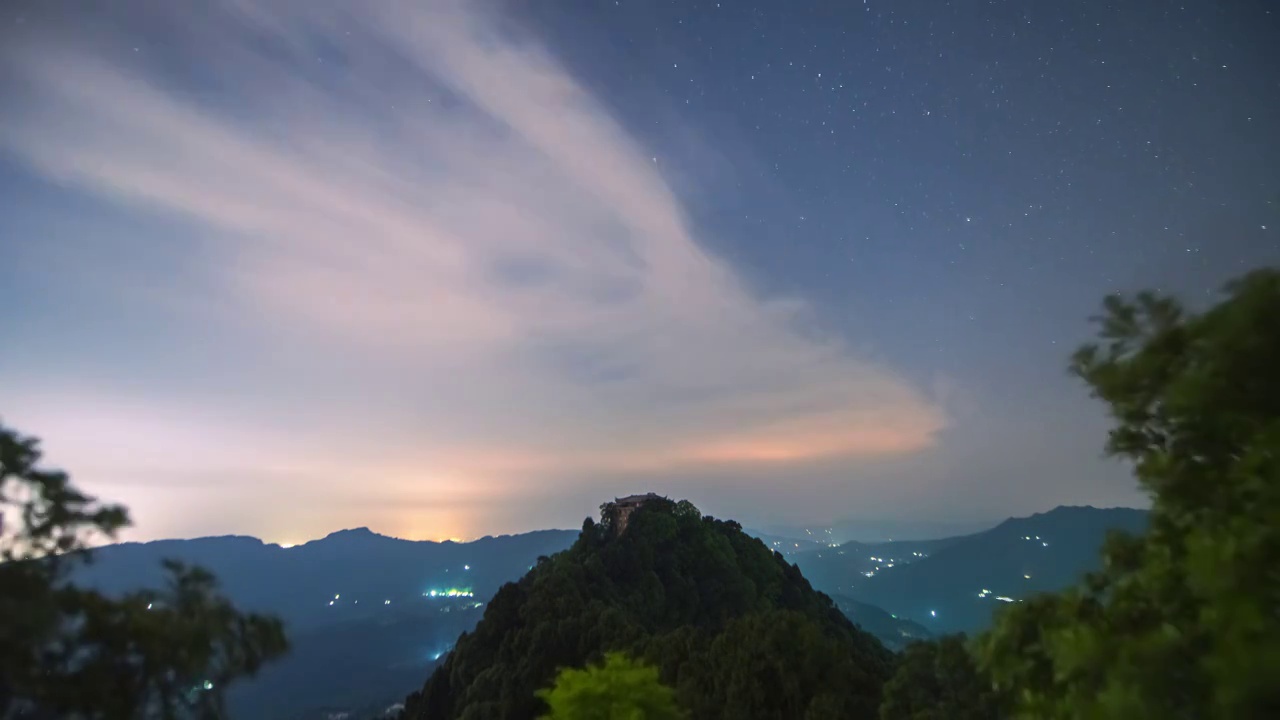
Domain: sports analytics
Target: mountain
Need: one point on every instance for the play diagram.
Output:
(358, 607)
(896, 633)
(787, 545)
(357, 566)
(954, 585)
(357, 666)
(878, 530)
(845, 568)
(366, 628)
(733, 628)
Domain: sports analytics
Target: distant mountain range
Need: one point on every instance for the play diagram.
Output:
(896, 633)
(358, 565)
(370, 615)
(878, 530)
(954, 584)
(787, 545)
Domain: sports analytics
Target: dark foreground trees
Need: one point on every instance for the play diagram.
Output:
(1184, 621)
(939, 680)
(68, 652)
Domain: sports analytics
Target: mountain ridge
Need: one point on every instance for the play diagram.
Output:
(731, 626)
(956, 585)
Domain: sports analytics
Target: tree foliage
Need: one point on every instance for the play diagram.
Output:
(69, 652)
(618, 689)
(729, 625)
(938, 680)
(1184, 621)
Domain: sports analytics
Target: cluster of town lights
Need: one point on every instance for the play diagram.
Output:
(449, 593)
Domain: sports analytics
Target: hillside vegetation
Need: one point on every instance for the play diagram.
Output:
(732, 627)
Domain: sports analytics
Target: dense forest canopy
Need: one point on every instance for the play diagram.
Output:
(731, 627)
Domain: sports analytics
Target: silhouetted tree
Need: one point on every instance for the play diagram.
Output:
(68, 652)
(1183, 622)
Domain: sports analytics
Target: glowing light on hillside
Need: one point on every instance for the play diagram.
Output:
(449, 593)
(933, 613)
(466, 567)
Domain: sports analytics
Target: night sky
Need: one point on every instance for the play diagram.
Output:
(449, 269)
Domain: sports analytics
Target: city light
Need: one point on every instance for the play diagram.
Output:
(450, 593)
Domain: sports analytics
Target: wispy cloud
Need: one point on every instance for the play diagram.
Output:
(433, 257)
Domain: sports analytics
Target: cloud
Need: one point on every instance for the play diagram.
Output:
(428, 252)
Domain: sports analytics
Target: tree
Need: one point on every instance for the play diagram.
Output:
(938, 680)
(70, 652)
(618, 689)
(1181, 622)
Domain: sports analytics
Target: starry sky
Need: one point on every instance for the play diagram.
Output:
(449, 269)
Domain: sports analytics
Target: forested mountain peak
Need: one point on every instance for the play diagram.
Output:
(732, 627)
